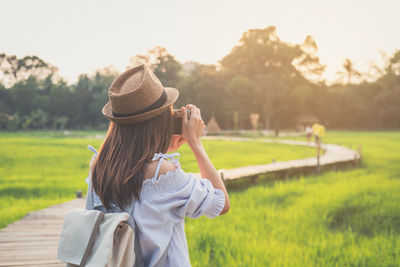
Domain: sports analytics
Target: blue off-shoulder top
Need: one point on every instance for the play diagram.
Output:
(165, 201)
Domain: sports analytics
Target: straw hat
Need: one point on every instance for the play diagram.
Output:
(137, 95)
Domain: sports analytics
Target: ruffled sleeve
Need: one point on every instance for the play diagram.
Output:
(201, 198)
(185, 195)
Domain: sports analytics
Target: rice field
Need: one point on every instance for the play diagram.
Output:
(340, 218)
(43, 168)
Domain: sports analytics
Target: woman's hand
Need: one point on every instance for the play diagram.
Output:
(176, 141)
(193, 128)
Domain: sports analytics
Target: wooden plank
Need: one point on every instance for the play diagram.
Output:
(32, 263)
(33, 240)
(27, 239)
(32, 227)
(30, 255)
(27, 245)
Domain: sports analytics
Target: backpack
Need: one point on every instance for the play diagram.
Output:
(94, 238)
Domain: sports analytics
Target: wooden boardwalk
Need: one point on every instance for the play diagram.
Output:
(334, 155)
(33, 240)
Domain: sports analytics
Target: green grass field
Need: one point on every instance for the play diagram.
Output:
(42, 168)
(342, 218)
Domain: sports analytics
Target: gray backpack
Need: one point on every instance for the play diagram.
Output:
(95, 238)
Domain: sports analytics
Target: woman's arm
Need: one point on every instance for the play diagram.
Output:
(192, 130)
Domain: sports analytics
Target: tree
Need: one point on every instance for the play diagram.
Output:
(384, 105)
(349, 73)
(394, 64)
(60, 122)
(5, 99)
(308, 61)
(13, 69)
(164, 65)
(21, 95)
(38, 119)
(272, 68)
(205, 88)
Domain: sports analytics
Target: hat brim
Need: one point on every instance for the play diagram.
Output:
(172, 96)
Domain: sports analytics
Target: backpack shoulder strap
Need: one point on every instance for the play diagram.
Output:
(91, 240)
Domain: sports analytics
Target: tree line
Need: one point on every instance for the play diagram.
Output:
(280, 81)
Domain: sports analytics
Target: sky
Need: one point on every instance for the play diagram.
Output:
(80, 36)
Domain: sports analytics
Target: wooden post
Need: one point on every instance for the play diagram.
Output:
(236, 121)
(318, 156)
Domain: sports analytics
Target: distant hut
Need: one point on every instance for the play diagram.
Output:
(303, 120)
(212, 126)
(254, 120)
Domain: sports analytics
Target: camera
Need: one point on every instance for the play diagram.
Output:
(177, 120)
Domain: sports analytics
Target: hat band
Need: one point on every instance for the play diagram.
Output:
(157, 104)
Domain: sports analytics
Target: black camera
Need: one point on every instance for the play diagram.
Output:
(177, 120)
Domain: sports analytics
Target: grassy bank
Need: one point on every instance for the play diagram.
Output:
(41, 168)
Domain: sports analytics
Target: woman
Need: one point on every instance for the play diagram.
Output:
(132, 172)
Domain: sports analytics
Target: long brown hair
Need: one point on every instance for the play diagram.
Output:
(118, 169)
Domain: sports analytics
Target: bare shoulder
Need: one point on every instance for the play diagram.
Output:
(150, 170)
